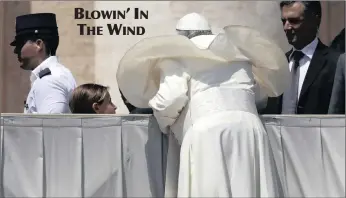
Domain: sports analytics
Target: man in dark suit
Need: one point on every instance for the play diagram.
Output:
(134, 110)
(338, 42)
(312, 64)
(337, 101)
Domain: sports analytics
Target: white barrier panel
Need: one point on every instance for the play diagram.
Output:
(110, 156)
(310, 154)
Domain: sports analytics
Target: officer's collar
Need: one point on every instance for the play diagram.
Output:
(45, 64)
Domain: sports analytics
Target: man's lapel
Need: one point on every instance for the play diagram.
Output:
(288, 55)
(316, 65)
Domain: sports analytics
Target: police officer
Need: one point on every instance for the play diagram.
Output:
(35, 43)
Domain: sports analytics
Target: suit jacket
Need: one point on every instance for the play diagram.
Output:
(337, 101)
(317, 86)
(339, 42)
(142, 111)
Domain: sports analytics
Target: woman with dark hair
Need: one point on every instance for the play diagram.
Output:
(90, 99)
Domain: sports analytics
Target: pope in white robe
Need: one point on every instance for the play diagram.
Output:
(203, 93)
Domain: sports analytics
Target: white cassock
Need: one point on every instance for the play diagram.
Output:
(209, 107)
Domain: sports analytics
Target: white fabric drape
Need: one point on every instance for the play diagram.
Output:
(104, 156)
(310, 153)
(81, 157)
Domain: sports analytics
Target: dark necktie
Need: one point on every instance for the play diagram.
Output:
(290, 97)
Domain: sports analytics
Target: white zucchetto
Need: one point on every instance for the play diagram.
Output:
(193, 21)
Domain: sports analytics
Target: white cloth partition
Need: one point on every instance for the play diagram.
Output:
(310, 154)
(71, 156)
(125, 156)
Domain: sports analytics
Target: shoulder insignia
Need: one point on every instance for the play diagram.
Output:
(44, 73)
(26, 106)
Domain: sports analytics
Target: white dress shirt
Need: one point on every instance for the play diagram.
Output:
(304, 63)
(50, 94)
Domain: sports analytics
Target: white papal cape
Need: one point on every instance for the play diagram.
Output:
(205, 98)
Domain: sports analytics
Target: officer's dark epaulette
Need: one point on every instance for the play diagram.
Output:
(44, 73)
(25, 105)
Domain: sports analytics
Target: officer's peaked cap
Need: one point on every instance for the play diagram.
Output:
(39, 23)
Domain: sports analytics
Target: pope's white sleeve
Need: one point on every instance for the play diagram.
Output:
(172, 94)
(50, 96)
